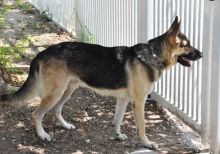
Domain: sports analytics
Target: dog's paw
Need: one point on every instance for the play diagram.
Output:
(121, 137)
(44, 136)
(69, 126)
(150, 145)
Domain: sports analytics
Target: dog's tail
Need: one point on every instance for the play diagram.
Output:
(27, 90)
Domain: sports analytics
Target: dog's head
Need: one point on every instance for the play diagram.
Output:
(179, 47)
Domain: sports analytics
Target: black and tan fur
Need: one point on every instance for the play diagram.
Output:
(128, 73)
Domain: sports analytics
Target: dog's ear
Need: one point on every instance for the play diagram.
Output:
(174, 23)
(173, 31)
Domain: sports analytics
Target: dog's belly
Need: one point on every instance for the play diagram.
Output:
(121, 93)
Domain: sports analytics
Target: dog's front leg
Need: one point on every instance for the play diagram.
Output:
(119, 114)
(138, 109)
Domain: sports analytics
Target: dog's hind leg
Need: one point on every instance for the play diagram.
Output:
(121, 107)
(54, 78)
(47, 102)
(59, 106)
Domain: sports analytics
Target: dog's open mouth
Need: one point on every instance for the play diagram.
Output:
(184, 61)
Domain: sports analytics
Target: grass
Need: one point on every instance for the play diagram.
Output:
(10, 54)
(24, 6)
(3, 24)
(3, 11)
(7, 54)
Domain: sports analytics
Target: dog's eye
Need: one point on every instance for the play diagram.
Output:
(182, 44)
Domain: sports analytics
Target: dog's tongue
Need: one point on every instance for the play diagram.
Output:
(187, 61)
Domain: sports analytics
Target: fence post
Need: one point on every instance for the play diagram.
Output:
(206, 73)
(215, 81)
(211, 70)
(144, 20)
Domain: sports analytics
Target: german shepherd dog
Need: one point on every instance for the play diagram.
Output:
(127, 73)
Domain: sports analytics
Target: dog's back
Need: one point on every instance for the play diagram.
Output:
(97, 66)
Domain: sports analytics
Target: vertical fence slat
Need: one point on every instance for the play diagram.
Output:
(200, 62)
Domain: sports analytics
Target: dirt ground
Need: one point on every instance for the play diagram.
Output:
(90, 113)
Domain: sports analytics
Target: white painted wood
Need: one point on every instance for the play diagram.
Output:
(206, 73)
(215, 79)
(62, 12)
(182, 86)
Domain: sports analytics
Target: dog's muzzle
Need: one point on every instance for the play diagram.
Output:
(193, 55)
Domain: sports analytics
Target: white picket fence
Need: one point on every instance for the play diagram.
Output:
(185, 91)
(181, 86)
(61, 11)
(111, 22)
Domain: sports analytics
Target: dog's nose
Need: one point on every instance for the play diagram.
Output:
(200, 54)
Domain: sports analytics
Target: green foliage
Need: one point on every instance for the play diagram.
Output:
(14, 53)
(88, 36)
(22, 43)
(82, 32)
(3, 10)
(7, 8)
(46, 15)
(3, 24)
(24, 6)
(6, 56)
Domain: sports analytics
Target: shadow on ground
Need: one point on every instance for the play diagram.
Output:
(92, 115)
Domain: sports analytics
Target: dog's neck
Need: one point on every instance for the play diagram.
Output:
(150, 55)
(156, 44)
(154, 49)
(158, 48)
